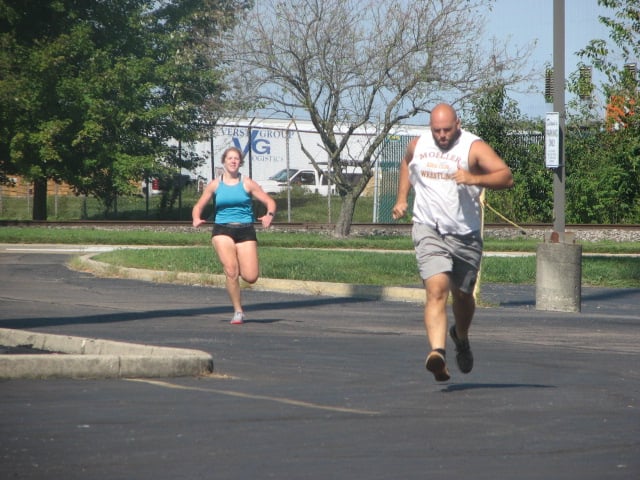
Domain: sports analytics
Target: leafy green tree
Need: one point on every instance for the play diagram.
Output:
(603, 156)
(93, 91)
(518, 140)
(602, 175)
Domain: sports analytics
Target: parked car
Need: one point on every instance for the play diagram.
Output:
(162, 183)
(308, 179)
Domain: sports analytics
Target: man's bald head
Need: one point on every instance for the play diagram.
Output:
(445, 126)
(444, 112)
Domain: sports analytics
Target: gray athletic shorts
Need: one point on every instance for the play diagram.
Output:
(458, 255)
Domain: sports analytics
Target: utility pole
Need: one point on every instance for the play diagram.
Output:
(559, 258)
(559, 106)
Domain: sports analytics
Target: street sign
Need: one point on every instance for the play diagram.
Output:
(552, 140)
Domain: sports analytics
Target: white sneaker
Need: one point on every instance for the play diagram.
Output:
(238, 318)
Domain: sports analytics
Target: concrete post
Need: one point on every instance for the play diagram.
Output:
(559, 259)
(558, 276)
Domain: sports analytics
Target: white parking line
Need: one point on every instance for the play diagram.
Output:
(232, 393)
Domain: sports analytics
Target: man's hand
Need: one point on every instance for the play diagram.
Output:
(464, 177)
(399, 210)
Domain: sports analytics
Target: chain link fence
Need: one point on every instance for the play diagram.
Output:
(16, 201)
(388, 171)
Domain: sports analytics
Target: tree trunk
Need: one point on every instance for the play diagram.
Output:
(345, 219)
(40, 199)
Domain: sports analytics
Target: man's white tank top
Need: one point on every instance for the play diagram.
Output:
(439, 201)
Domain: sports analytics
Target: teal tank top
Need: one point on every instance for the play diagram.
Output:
(233, 204)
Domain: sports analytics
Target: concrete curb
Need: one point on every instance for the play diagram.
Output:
(79, 357)
(373, 292)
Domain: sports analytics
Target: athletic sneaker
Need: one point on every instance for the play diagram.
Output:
(238, 318)
(437, 365)
(464, 357)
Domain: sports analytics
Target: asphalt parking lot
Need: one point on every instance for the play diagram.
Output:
(317, 387)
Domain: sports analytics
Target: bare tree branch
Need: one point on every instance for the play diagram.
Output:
(349, 65)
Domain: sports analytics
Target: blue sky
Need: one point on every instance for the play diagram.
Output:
(526, 20)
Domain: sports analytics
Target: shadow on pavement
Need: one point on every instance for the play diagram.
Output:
(118, 317)
(477, 386)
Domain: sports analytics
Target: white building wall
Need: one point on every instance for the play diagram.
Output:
(270, 145)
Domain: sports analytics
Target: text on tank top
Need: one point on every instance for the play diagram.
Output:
(439, 201)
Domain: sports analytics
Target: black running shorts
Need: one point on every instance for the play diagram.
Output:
(241, 232)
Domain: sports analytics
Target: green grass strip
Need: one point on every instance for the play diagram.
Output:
(103, 236)
(361, 266)
(370, 268)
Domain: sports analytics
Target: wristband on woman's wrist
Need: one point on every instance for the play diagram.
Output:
(271, 214)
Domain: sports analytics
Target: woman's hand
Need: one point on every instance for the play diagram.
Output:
(266, 220)
(198, 222)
